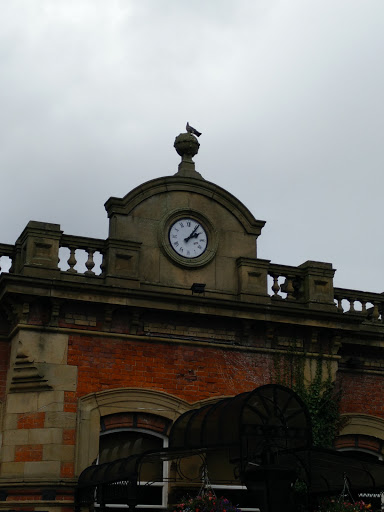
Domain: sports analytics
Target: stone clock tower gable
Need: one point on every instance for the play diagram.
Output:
(171, 312)
(146, 216)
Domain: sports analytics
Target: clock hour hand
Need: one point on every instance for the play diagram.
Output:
(192, 234)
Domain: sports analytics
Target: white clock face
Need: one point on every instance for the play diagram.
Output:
(188, 238)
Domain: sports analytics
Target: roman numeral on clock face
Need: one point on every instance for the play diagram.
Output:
(188, 237)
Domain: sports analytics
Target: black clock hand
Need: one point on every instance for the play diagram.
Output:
(192, 234)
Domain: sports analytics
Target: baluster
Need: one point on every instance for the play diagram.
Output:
(275, 287)
(90, 263)
(340, 308)
(102, 265)
(72, 261)
(375, 312)
(288, 288)
(351, 306)
(364, 307)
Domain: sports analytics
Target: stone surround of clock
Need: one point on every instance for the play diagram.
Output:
(187, 238)
(140, 225)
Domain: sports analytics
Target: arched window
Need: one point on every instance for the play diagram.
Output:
(126, 434)
(368, 447)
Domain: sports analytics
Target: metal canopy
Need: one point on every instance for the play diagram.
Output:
(272, 414)
(325, 470)
(269, 428)
(128, 469)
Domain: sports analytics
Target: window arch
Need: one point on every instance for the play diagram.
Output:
(126, 434)
(372, 447)
(362, 433)
(122, 400)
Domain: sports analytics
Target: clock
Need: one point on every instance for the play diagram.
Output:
(188, 238)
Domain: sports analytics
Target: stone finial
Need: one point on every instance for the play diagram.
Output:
(187, 146)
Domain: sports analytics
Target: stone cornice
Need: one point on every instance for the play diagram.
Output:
(163, 185)
(93, 290)
(167, 339)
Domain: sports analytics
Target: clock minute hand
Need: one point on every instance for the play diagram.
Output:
(192, 234)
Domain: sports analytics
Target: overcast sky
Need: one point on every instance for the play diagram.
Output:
(288, 95)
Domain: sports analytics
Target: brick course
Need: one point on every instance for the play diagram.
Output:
(362, 393)
(29, 452)
(67, 470)
(138, 420)
(31, 420)
(189, 372)
(69, 436)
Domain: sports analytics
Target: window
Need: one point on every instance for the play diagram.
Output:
(364, 446)
(120, 443)
(222, 475)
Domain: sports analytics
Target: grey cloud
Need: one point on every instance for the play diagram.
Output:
(288, 95)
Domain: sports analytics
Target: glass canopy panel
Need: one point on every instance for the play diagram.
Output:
(177, 433)
(123, 444)
(277, 414)
(230, 421)
(325, 470)
(211, 433)
(194, 428)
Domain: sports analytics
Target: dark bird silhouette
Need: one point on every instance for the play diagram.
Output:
(192, 130)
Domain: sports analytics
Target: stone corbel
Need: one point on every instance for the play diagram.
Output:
(16, 312)
(135, 324)
(55, 312)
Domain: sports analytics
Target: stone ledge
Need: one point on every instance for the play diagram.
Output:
(42, 468)
(60, 420)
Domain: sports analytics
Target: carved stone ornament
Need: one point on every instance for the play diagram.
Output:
(26, 376)
(186, 145)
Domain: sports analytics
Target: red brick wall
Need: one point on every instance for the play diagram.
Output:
(137, 420)
(358, 441)
(31, 420)
(189, 372)
(29, 452)
(362, 393)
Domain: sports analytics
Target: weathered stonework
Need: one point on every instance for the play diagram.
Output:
(77, 346)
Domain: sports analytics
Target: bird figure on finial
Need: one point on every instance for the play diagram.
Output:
(192, 130)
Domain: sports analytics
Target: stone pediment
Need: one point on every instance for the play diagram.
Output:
(178, 183)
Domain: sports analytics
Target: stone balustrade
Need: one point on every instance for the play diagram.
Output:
(6, 257)
(43, 250)
(367, 305)
(91, 246)
(286, 282)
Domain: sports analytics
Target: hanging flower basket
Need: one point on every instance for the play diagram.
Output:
(207, 502)
(331, 505)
